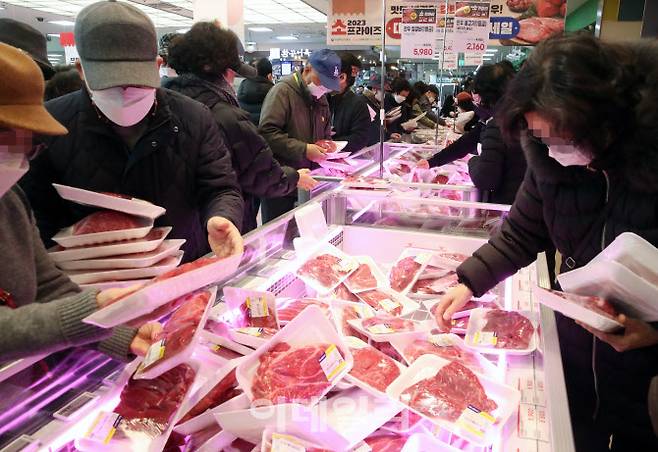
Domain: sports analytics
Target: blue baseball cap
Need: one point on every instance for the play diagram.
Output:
(327, 65)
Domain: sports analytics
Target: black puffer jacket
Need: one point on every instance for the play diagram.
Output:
(181, 163)
(259, 174)
(564, 207)
(251, 95)
(464, 145)
(350, 120)
(499, 169)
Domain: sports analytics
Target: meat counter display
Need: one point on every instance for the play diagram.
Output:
(321, 339)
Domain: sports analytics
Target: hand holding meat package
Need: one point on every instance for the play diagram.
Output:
(160, 291)
(299, 364)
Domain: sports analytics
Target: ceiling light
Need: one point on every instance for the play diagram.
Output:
(53, 35)
(183, 30)
(63, 23)
(287, 38)
(491, 51)
(260, 29)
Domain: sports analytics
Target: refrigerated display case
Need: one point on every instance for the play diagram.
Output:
(49, 410)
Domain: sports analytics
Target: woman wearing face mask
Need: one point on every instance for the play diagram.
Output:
(398, 99)
(585, 113)
(206, 58)
(424, 102)
(41, 310)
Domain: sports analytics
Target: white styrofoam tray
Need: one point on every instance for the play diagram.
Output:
(476, 323)
(86, 277)
(67, 239)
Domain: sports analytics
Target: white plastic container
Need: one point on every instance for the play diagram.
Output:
(633, 295)
(338, 308)
(346, 263)
(634, 253)
(67, 239)
(166, 264)
(356, 344)
(139, 260)
(157, 365)
(485, 301)
(382, 332)
(159, 293)
(132, 206)
(308, 328)
(482, 365)
(379, 277)
(506, 397)
(477, 322)
(421, 257)
(572, 306)
(115, 284)
(395, 300)
(144, 245)
(363, 182)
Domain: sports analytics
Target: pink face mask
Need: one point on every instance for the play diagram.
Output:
(124, 106)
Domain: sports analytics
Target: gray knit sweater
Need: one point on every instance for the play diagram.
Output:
(50, 307)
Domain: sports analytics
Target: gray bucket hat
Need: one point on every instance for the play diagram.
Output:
(117, 45)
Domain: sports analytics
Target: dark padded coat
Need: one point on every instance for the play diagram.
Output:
(259, 174)
(251, 95)
(350, 120)
(499, 169)
(564, 207)
(181, 163)
(464, 145)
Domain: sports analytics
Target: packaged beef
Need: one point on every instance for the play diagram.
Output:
(404, 421)
(446, 346)
(434, 286)
(274, 442)
(499, 329)
(224, 390)
(386, 442)
(362, 279)
(372, 367)
(383, 327)
(255, 309)
(381, 301)
(407, 269)
(365, 182)
(289, 308)
(448, 393)
(341, 292)
(343, 312)
(326, 269)
(388, 349)
(105, 221)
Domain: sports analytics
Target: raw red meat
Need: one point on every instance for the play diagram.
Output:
(288, 374)
(513, 330)
(421, 347)
(395, 323)
(596, 304)
(441, 179)
(362, 279)
(341, 292)
(239, 445)
(536, 29)
(388, 349)
(104, 221)
(225, 390)
(374, 368)
(447, 394)
(268, 321)
(291, 308)
(349, 313)
(403, 273)
(386, 443)
(375, 297)
(435, 286)
(326, 269)
(202, 262)
(148, 405)
(432, 272)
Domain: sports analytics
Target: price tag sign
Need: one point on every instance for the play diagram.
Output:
(472, 26)
(441, 340)
(380, 328)
(485, 338)
(104, 427)
(418, 30)
(389, 305)
(332, 362)
(156, 353)
(286, 443)
(257, 307)
(347, 265)
(251, 331)
(475, 421)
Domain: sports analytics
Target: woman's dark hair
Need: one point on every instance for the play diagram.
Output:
(264, 67)
(433, 89)
(490, 83)
(600, 95)
(66, 80)
(204, 49)
(400, 84)
(347, 60)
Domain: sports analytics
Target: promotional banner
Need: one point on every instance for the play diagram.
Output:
(471, 26)
(418, 31)
(525, 22)
(354, 22)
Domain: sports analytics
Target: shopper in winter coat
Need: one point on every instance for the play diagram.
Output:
(295, 116)
(592, 104)
(206, 59)
(398, 98)
(41, 310)
(128, 136)
(426, 96)
(350, 118)
(499, 169)
(448, 107)
(253, 90)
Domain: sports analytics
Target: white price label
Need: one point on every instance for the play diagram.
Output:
(441, 340)
(389, 305)
(104, 427)
(332, 362)
(251, 331)
(286, 443)
(354, 342)
(347, 265)
(475, 421)
(257, 307)
(485, 338)
(156, 353)
(527, 388)
(380, 328)
(364, 312)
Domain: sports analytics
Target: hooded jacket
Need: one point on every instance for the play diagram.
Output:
(565, 207)
(291, 118)
(181, 163)
(350, 120)
(251, 95)
(259, 174)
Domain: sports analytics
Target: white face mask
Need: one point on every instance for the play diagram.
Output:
(399, 99)
(569, 155)
(124, 106)
(13, 165)
(317, 90)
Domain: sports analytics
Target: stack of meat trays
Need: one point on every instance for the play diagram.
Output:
(117, 245)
